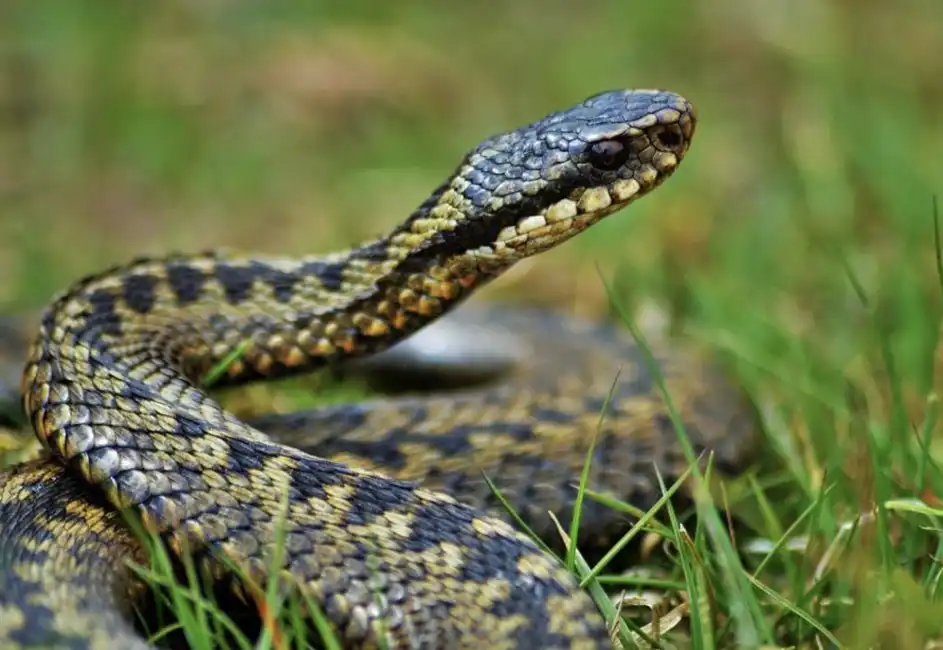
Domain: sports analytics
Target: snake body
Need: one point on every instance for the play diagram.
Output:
(388, 525)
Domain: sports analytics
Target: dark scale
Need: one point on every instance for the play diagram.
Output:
(236, 280)
(329, 274)
(281, 282)
(435, 523)
(139, 292)
(186, 282)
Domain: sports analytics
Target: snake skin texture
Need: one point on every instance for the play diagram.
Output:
(387, 524)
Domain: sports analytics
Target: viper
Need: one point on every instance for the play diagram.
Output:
(379, 511)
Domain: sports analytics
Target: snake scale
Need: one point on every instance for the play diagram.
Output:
(388, 524)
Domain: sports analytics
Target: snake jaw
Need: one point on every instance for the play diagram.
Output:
(573, 214)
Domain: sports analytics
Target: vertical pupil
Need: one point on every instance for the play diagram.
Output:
(607, 151)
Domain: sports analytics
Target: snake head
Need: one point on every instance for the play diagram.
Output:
(522, 192)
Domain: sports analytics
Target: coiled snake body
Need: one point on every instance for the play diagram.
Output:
(111, 388)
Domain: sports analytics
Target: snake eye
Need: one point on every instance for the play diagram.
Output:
(608, 154)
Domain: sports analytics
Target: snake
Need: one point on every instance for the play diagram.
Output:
(380, 514)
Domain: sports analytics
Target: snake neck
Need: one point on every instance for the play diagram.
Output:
(283, 315)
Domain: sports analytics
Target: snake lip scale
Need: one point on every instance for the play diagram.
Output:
(387, 526)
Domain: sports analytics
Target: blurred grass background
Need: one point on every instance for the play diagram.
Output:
(296, 127)
(128, 129)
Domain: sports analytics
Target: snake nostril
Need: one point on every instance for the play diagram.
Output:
(668, 139)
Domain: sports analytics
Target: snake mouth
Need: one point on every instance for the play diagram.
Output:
(581, 209)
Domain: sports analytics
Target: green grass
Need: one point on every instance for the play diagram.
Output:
(797, 241)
